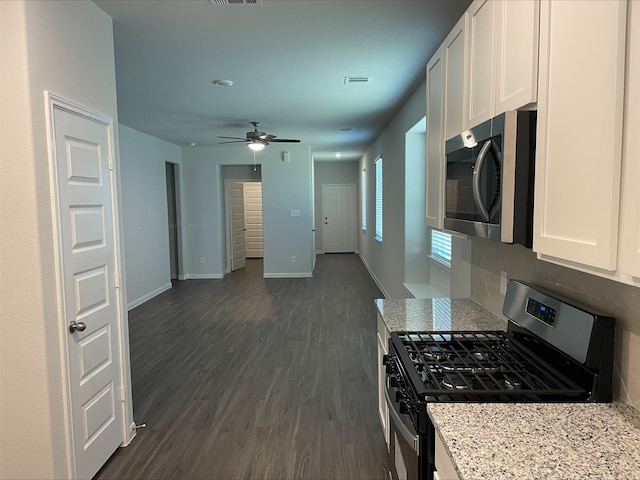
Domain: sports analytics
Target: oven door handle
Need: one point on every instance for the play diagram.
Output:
(411, 439)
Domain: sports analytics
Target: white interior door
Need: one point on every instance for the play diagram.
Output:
(82, 160)
(254, 239)
(338, 218)
(238, 258)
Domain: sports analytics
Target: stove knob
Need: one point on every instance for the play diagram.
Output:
(400, 396)
(404, 407)
(393, 381)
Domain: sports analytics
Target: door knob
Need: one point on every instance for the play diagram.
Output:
(76, 326)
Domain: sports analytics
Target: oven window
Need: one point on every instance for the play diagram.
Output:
(460, 198)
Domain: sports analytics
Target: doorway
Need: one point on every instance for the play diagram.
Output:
(172, 210)
(338, 218)
(93, 342)
(235, 178)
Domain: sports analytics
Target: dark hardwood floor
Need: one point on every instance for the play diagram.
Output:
(246, 377)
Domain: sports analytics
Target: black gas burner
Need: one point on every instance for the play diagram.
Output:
(491, 363)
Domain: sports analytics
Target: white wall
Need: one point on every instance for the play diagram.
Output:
(333, 172)
(386, 260)
(65, 47)
(417, 234)
(144, 212)
(286, 186)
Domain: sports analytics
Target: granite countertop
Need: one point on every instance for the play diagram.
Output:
(415, 314)
(567, 441)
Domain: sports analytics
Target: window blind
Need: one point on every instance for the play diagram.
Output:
(441, 247)
(378, 164)
(363, 188)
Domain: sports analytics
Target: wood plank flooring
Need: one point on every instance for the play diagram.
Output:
(253, 378)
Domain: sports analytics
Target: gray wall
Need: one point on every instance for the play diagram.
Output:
(334, 172)
(385, 260)
(286, 186)
(144, 213)
(65, 47)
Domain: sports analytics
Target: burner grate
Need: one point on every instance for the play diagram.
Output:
(462, 366)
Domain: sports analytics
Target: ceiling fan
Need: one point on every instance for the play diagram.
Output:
(258, 140)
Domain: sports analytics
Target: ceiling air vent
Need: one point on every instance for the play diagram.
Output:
(235, 2)
(357, 80)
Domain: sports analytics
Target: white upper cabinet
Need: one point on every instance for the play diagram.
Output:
(502, 64)
(517, 27)
(579, 144)
(454, 54)
(481, 66)
(434, 180)
(630, 208)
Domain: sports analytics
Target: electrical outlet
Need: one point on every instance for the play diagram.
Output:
(202, 260)
(293, 259)
(503, 282)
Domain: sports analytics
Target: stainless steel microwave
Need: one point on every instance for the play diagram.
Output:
(489, 179)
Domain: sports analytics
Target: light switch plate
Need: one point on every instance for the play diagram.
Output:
(295, 213)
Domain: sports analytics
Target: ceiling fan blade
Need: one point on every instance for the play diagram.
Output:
(265, 137)
(234, 138)
(232, 141)
(284, 140)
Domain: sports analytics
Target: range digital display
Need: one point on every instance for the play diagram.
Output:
(541, 311)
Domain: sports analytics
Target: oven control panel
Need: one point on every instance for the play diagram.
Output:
(541, 311)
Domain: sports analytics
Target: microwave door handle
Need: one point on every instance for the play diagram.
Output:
(477, 169)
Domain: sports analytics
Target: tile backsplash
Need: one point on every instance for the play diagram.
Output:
(619, 300)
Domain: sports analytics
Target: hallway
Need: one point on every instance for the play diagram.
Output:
(247, 377)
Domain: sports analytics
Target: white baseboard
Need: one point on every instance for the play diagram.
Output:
(382, 289)
(288, 275)
(148, 296)
(203, 276)
(319, 252)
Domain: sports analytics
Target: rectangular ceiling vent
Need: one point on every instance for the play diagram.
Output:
(235, 2)
(357, 80)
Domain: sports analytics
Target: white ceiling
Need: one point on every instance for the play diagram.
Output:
(288, 60)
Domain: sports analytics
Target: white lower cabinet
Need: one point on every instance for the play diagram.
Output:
(383, 410)
(444, 466)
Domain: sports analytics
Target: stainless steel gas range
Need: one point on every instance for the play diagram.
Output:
(554, 350)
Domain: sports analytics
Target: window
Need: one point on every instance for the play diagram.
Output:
(378, 164)
(363, 188)
(441, 247)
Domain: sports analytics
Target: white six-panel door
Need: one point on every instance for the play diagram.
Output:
(338, 218)
(82, 159)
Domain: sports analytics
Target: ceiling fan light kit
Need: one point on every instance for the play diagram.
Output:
(256, 145)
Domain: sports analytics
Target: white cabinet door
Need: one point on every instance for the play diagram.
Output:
(630, 213)
(454, 55)
(517, 27)
(383, 409)
(480, 101)
(434, 171)
(580, 106)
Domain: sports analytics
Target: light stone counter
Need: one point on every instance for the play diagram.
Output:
(415, 314)
(568, 441)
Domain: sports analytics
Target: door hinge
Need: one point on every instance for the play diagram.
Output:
(123, 394)
(110, 162)
(116, 280)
